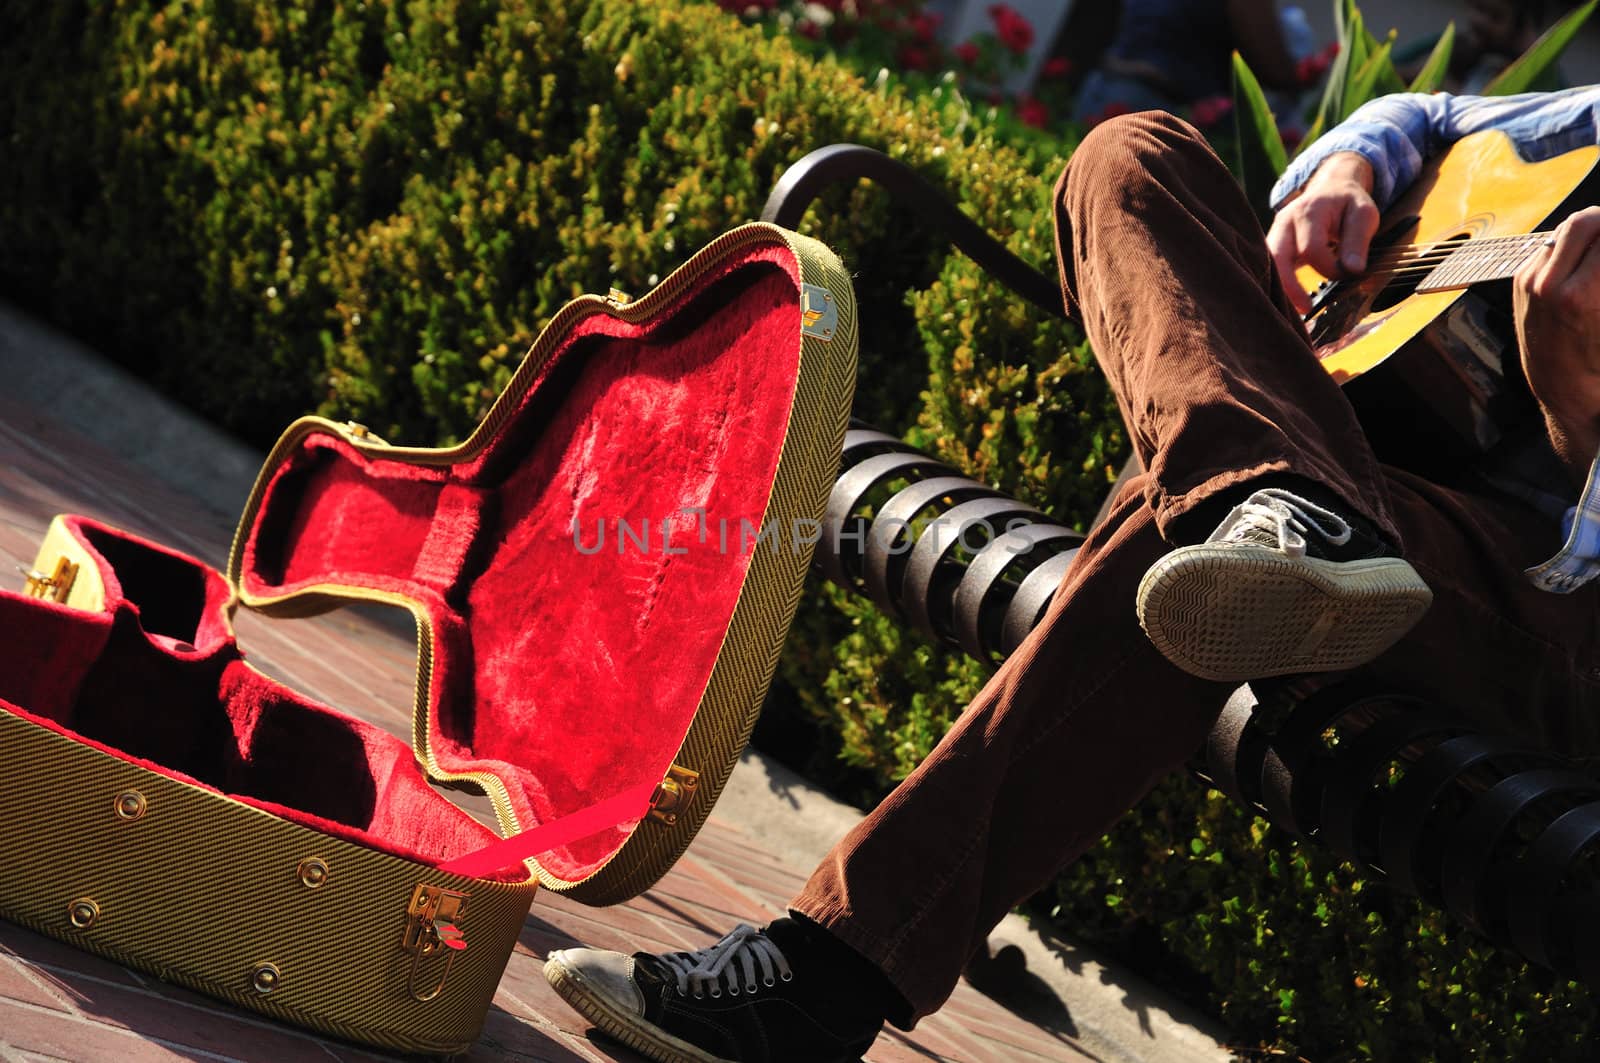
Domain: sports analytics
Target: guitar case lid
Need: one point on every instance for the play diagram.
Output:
(602, 575)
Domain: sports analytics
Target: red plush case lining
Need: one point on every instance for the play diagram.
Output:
(569, 664)
(156, 680)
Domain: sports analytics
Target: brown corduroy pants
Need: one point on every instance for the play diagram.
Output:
(1167, 268)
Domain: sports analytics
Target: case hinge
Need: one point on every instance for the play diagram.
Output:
(56, 586)
(673, 794)
(433, 922)
(819, 315)
(358, 431)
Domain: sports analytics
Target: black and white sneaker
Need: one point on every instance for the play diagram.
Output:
(1283, 586)
(740, 1001)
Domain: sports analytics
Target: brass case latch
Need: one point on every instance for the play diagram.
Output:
(53, 587)
(673, 794)
(433, 923)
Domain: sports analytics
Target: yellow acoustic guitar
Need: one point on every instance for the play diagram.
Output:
(1427, 315)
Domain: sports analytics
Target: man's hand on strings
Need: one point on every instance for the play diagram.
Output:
(1556, 298)
(1328, 226)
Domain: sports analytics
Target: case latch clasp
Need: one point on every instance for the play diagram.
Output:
(433, 923)
(673, 794)
(53, 587)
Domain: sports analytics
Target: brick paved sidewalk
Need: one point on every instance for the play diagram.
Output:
(58, 1003)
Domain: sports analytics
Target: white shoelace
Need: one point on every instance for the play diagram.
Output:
(738, 954)
(1284, 516)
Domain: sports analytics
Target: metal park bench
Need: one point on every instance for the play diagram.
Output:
(1498, 834)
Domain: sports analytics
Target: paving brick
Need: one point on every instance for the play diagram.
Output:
(53, 1034)
(36, 950)
(585, 1049)
(708, 891)
(656, 924)
(893, 1046)
(32, 986)
(18, 1056)
(164, 1015)
(1017, 1036)
(781, 887)
(607, 1048)
(735, 852)
(524, 983)
(339, 1052)
(599, 932)
(506, 1037)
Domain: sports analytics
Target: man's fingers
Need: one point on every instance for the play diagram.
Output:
(1280, 243)
(1299, 298)
(1578, 294)
(1355, 236)
(1573, 239)
(1314, 234)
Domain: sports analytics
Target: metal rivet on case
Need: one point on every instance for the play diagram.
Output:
(82, 913)
(313, 872)
(130, 805)
(265, 977)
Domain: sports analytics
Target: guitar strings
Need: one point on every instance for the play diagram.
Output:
(1463, 240)
(1472, 253)
(1447, 248)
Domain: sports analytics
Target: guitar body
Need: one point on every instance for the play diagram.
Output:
(1451, 349)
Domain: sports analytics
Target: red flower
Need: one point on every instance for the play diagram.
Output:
(1014, 31)
(806, 28)
(923, 26)
(1058, 66)
(913, 58)
(1111, 111)
(1309, 70)
(967, 52)
(1032, 112)
(1211, 110)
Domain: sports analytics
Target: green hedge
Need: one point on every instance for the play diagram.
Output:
(371, 209)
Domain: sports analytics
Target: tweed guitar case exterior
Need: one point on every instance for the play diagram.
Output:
(601, 576)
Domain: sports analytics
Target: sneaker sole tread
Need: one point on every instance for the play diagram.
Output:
(634, 1031)
(1234, 613)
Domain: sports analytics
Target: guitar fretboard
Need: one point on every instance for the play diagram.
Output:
(1470, 262)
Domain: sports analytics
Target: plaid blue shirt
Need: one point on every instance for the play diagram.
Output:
(1397, 134)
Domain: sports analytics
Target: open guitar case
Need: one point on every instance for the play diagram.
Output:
(173, 809)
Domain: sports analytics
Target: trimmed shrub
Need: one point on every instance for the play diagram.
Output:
(371, 209)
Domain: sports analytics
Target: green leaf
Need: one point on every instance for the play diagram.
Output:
(1520, 75)
(1364, 85)
(1344, 12)
(1261, 156)
(1389, 79)
(1363, 42)
(1431, 76)
(1352, 53)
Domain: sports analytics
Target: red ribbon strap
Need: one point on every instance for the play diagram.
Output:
(630, 804)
